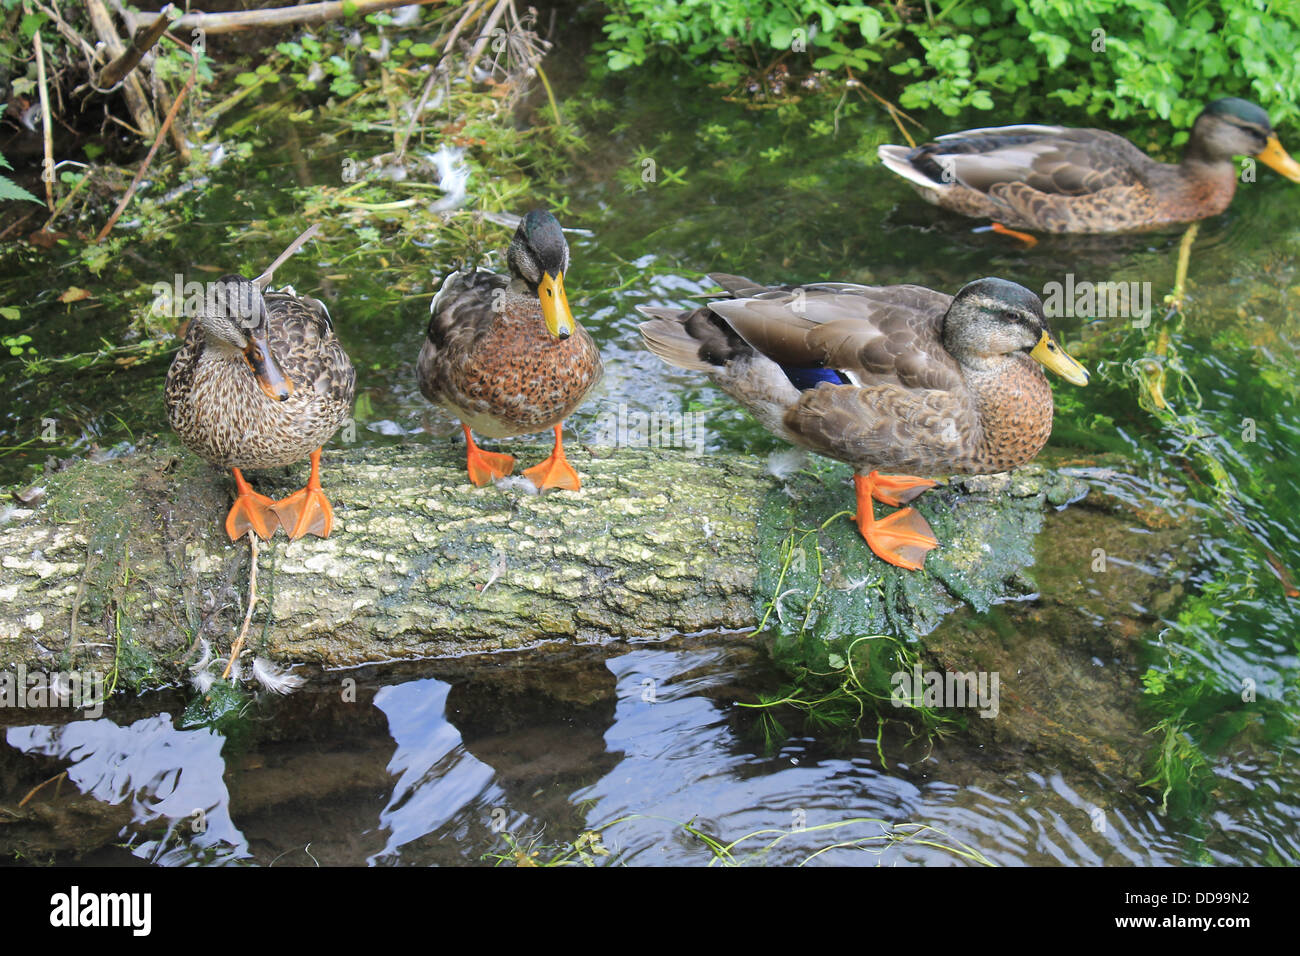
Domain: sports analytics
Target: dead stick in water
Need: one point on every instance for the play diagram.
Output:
(482, 41)
(143, 42)
(252, 599)
(157, 141)
(264, 279)
(214, 23)
(47, 132)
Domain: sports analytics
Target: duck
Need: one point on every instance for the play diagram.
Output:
(1056, 179)
(890, 379)
(504, 354)
(262, 381)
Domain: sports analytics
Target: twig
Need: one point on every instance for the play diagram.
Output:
(139, 175)
(264, 279)
(252, 599)
(472, 9)
(415, 117)
(32, 792)
(116, 71)
(47, 131)
(483, 37)
(213, 23)
(63, 203)
(136, 100)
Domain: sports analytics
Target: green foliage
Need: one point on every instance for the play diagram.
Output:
(1111, 58)
(10, 189)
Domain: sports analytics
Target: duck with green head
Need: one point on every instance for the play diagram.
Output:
(885, 378)
(505, 355)
(1063, 180)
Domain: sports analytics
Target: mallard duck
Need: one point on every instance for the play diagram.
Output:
(1055, 179)
(262, 381)
(505, 355)
(896, 378)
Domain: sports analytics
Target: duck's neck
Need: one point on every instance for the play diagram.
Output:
(1206, 182)
(1015, 411)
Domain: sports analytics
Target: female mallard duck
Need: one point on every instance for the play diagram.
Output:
(1055, 179)
(261, 382)
(505, 355)
(882, 377)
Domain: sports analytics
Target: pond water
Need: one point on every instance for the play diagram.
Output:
(461, 762)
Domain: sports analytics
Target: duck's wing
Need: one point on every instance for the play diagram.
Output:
(301, 334)
(1052, 160)
(888, 427)
(875, 335)
(463, 312)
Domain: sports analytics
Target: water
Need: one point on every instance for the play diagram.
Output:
(439, 762)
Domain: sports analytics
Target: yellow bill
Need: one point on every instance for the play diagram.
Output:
(1276, 158)
(555, 305)
(270, 376)
(1055, 359)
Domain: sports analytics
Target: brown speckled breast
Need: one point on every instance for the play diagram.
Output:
(498, 369)
(219, 412)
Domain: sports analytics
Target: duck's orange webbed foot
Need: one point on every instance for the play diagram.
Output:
(903, 539)
(307, 511)
(898, 490)
(250, 512)
(485, 467)
(555, 471)
(1026, 238)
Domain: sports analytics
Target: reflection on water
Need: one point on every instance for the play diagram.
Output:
(172, 780)
(438, 771)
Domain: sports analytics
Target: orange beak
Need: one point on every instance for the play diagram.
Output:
(1276, 158)
(270, 376)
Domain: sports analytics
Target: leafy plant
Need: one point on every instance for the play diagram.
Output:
(1115, 58)
(10, 189)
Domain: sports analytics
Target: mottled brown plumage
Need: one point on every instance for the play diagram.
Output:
(213, 396)
(489, 359)
(888, 378)
(504, 354)
(1061, 180)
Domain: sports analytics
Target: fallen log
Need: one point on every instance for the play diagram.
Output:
(124, 564)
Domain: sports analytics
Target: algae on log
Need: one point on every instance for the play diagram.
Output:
(126, 560)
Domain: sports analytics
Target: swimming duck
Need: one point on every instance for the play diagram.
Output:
(262, 381)
(505, 355)
(895, 378)
(1056, 179)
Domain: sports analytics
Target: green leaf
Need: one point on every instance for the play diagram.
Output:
(11, 190)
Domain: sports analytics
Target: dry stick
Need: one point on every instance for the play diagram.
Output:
(214, 23)
(47, 174)
(157, 141)
(136, 100)
(483, 37)
(143, 42)
(72, 36)
(252, 599)
(472, 10)
(415, 117)
(32, 792)
(264, 279)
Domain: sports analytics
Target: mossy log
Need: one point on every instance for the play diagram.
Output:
(126, 560)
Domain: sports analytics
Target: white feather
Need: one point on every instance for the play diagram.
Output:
(274, 678)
